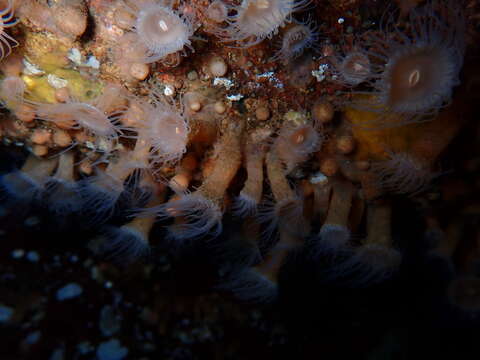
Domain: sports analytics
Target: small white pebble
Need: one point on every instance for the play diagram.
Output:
(33, 256)
(235, 97)
(169, 90)
(318, 178)
(75, 55)
(3, 211)
(6, 313)
(18, 253)
(111, 350)
(31, 69)
(85, 347)
(56, 82)
(33, 337)
(93, 62)
(58, 354)
(31, 221)
(69, 291)
(227, 83)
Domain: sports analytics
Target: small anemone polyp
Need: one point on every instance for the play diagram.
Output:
(296, 40)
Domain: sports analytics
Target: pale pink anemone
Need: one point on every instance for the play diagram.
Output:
(164, 126)
(160, 29)
(412, 69)
(99, 117)
(403, 174)
(256, 20)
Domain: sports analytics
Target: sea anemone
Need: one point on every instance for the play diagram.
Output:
(162, 30)
(27, 184)
(376, 260)
(285, 212)
(163, 125)
(296, 39)
(101, 192)
(199, 213)
(335, 232)
(246, 204)
(402, 174)
(352, 69)
(129, 242)
(413, 69)
(99, 117)
(12, 90)
(7, 20)
(297, 140)
(62, 193)
(256, 20)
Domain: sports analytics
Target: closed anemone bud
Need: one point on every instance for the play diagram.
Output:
(70, 17)
(217, 66)
(193, 102)
(217, 11)
(162, 30)
(296, 40)
(323, 112)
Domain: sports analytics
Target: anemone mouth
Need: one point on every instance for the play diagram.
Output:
(162, 31)
(420, 80)
(305, 140)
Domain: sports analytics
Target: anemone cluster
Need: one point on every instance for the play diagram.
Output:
(118, 123)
